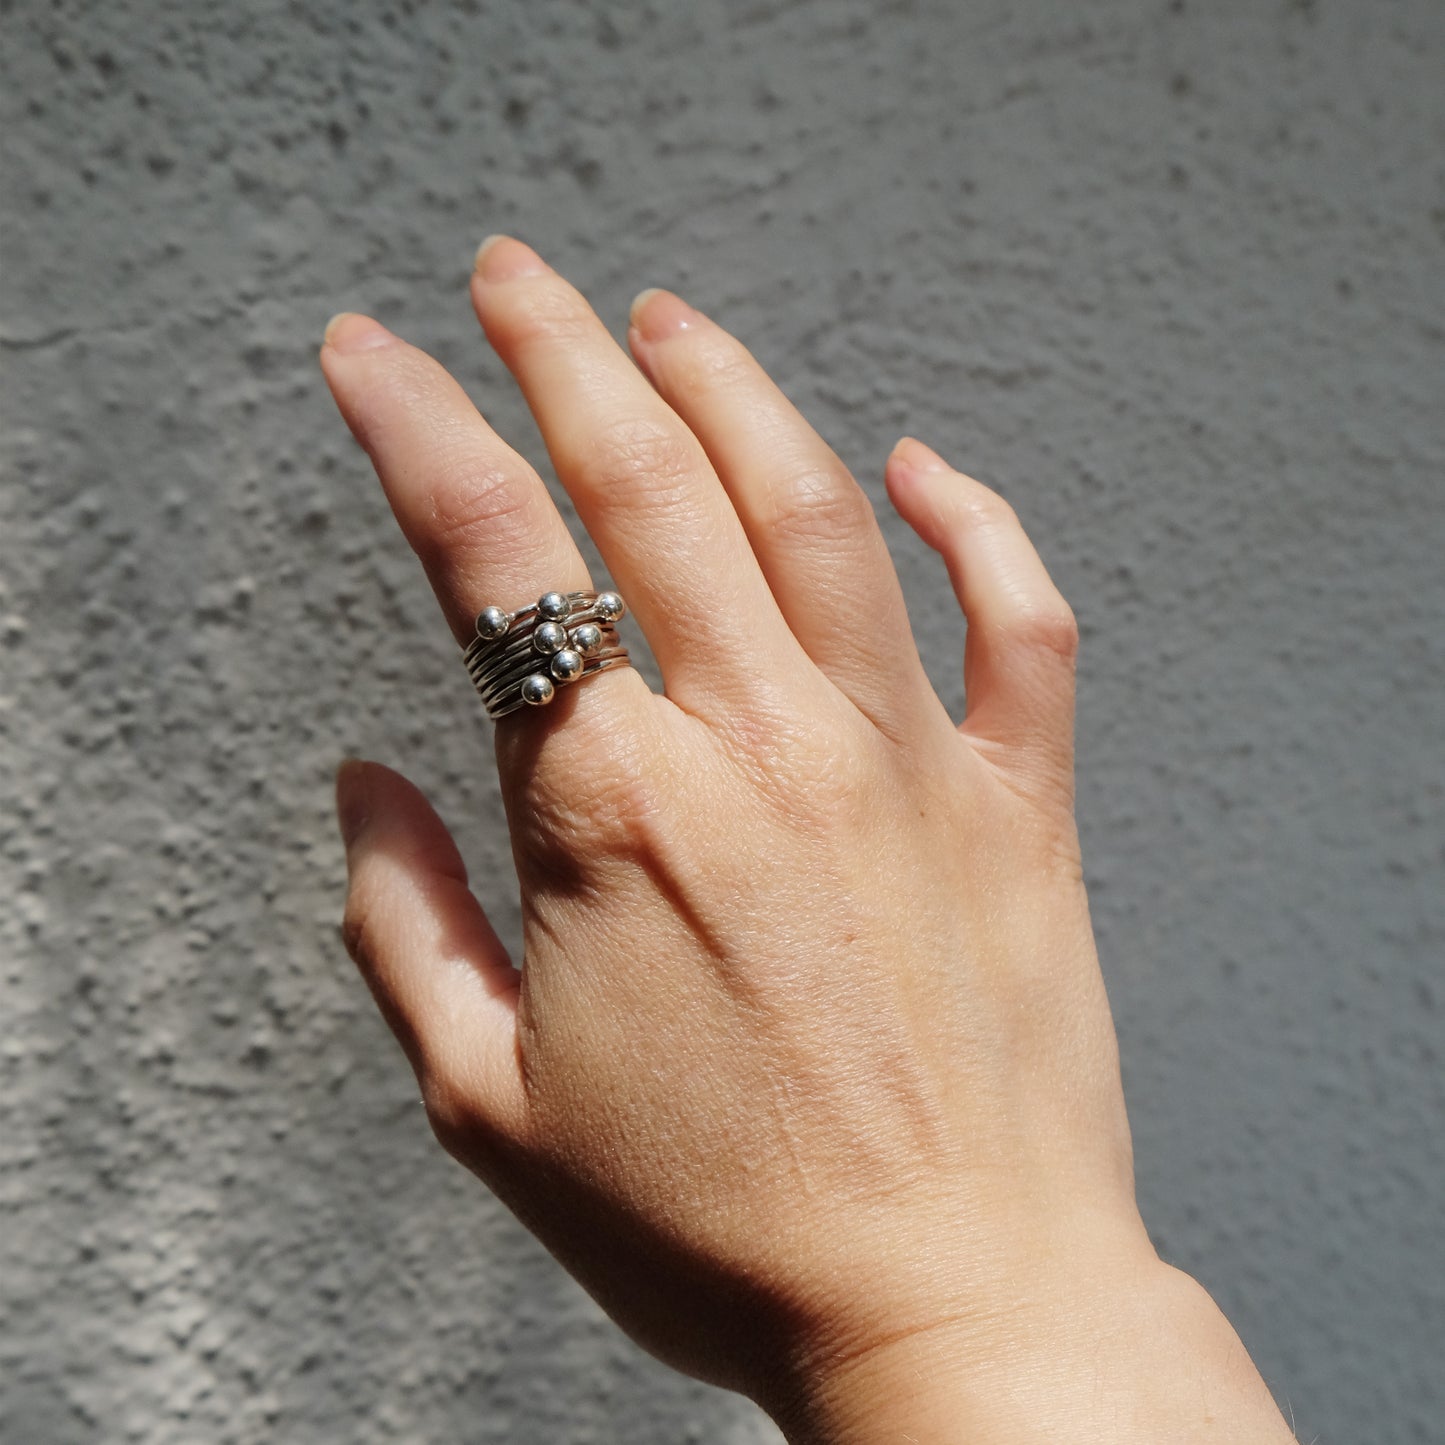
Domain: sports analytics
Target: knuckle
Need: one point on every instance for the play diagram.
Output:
(818, 788)
(984, 510)
(808, 765)
(1047, 627)
(449, 1111)
(624, 812)
(472, 500)
(716, 363)
(638, 454)
(1049, 835)
(817, 503)
(547, 310)
(357, 931)
(572, 808)
(600, 809)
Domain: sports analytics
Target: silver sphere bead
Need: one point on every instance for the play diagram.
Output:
(492, 623)
(586, 638)
(553, 606)
(537, 690)
(566, 664)
(549, 637)
(609, 606)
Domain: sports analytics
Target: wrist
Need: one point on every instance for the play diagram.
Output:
(1138, 1354)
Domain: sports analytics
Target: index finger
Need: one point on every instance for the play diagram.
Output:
(476, 514)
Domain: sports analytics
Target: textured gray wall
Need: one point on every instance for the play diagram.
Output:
(1169, 273)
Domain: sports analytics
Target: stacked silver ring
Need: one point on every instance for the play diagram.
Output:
(519, 659)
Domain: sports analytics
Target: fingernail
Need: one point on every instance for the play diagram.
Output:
(918, 458)
(504, 258)
(659, 314)
(350, 331)
(353, 800)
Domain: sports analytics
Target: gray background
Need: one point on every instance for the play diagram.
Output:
(1168, 273)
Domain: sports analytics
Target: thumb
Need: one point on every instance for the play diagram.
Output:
(436, 967)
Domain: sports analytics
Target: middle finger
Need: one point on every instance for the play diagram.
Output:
(641, 482)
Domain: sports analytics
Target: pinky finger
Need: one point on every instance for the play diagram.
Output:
(1022, 637)
(437, 969)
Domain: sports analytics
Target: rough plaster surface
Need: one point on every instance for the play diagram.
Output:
(1169, 273)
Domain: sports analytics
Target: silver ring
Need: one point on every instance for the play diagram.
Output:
(519, 659)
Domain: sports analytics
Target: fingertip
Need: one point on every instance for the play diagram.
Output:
(655, 315)
(381, 812)
(907, 475)
(354, 794)
(640, 301)
(504, 258)
(910, 457)
(350, 331)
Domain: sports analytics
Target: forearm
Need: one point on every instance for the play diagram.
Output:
(1149, 1361)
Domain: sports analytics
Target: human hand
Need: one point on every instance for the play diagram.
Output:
(809, 1076)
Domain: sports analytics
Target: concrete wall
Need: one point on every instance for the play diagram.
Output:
(1167, 272)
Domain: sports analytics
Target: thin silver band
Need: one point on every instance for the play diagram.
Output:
(494, 688)
(520, 658)
(517, 703)
(522, 652)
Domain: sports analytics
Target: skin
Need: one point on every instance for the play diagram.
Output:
(809, 1076)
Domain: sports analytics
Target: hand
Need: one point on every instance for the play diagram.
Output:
(808, 1075)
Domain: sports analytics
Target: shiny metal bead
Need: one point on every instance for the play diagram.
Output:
(566, 664)
(537, 690)
(586, 638)
(549, 637)
(492, 623)
(519, 659)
